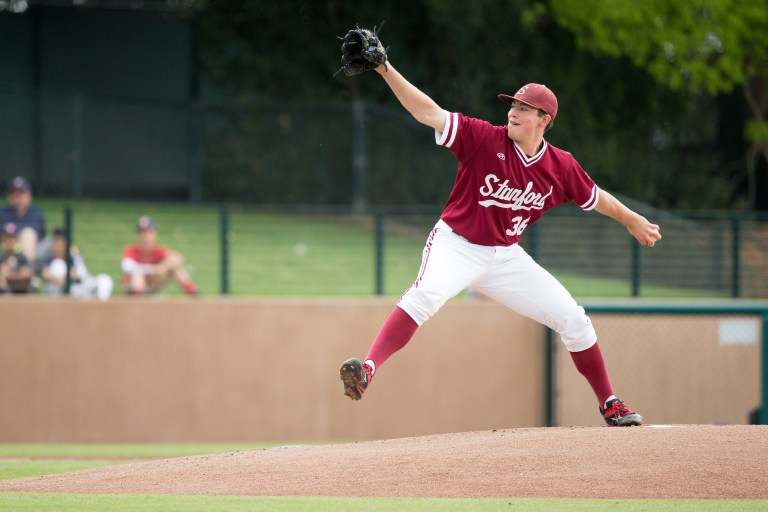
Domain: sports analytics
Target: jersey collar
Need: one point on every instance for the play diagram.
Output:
(530, 160)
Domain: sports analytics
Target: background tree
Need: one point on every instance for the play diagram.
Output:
(636, 136)
(700, 46)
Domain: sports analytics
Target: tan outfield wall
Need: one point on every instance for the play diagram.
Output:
(671, 368)
(219, 369)
(241, 370)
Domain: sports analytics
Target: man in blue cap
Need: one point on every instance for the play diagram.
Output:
(27, 218)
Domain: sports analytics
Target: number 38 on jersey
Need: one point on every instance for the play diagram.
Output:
(518, 226)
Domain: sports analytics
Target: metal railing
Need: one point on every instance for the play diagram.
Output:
(332, 251)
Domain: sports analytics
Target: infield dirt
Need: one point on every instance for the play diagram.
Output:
(662, 461)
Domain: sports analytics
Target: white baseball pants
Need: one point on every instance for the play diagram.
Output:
(508, 275)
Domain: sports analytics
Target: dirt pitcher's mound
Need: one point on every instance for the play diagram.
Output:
(597, 462)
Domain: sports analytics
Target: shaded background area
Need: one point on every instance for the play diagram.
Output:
(221, 100)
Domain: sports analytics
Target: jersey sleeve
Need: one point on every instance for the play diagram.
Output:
(448, 135)
(462, 135)
(129, 253)
(582, 188)
(160, 253)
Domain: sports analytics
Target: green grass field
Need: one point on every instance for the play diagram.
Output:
(282, 254)
(269, 254)
(26, 460)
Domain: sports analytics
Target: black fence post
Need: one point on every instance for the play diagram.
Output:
(762, 417)
(68, 249)
(549, 378)
(224, 237)
(635, 268)
(359, 151)
(77, 146)
(378, 240)
(533, 241)
(736, 256)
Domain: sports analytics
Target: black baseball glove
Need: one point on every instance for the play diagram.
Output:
(361, 51)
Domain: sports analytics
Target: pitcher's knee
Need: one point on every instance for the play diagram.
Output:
(577, 332)
(420, 305)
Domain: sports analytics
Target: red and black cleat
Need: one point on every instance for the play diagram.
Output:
(616, 414)
(356, 376)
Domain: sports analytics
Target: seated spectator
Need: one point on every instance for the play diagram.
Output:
(15, 269)
(81, 283)
(29, 220)
(147, 267)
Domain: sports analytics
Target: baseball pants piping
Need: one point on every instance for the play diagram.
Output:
(508, 275)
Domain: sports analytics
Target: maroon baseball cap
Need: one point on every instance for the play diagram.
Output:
(536, 95)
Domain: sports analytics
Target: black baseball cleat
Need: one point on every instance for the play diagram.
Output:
(616, 414)
(355, 375)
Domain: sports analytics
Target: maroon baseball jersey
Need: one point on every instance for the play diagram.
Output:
(499, 190)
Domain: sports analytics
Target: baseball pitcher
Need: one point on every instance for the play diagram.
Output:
(507, 177)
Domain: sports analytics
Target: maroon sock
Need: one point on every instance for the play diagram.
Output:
(591, 365)
(396, 332)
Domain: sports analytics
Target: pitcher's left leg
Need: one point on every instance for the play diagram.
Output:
(527, 288)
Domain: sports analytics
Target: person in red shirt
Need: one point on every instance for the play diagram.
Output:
(147, 266)
(507, 177)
